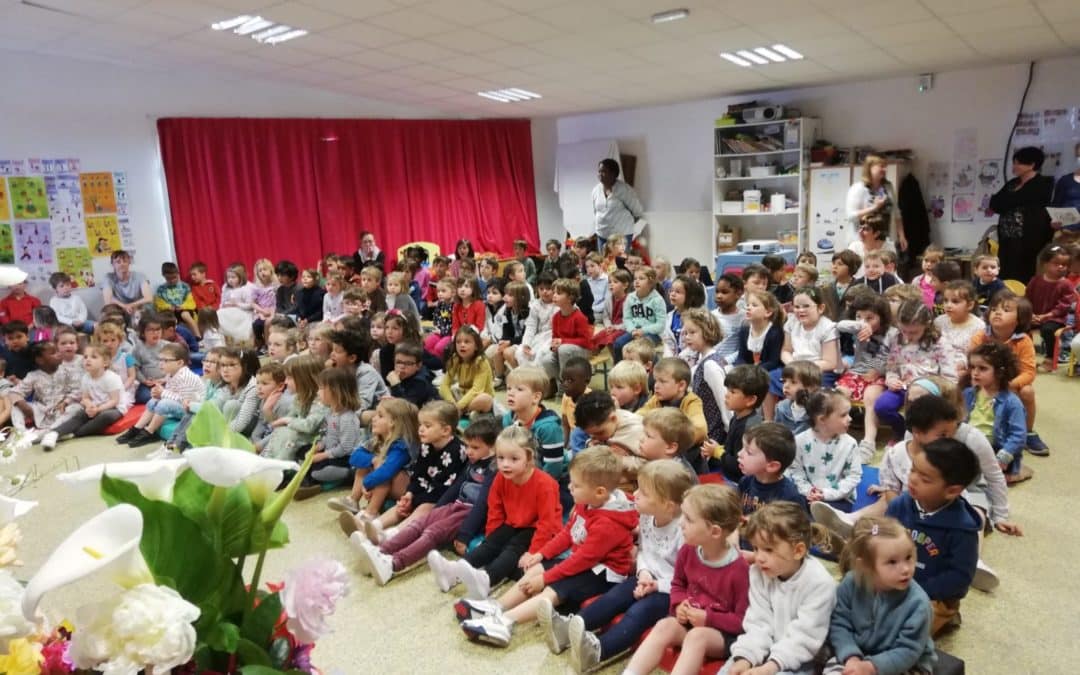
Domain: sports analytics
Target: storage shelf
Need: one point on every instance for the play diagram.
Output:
(744, 125)
(760, 214)
(759, 154)
(773, 177)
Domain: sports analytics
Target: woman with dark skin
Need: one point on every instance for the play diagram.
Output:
(1023, 224)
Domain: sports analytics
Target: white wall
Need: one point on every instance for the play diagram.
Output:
(106, 116)
(673, 143)
(548, 213)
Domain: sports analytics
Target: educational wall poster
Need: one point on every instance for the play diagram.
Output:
(27, 195)
(33, 242)
(64, 196)
(37, 275)
(991, 178)
(963, 176)
(963, 207)
(12, 167)
(102, 235)
(127, 235)
(937, 183)
(98, 193)
(5, 203)
(7, 245)
(1029, 127)
(78, 264)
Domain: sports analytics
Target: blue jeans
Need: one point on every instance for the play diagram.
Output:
(638, 616)
(166, 408)
(142, 393)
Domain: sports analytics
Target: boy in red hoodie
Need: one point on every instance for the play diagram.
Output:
(599, 535)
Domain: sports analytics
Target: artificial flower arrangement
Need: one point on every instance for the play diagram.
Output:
(178, 538)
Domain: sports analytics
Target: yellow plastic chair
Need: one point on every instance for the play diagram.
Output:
(432, 249)
(1016, 287)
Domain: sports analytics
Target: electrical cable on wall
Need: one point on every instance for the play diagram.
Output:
(1020, 111)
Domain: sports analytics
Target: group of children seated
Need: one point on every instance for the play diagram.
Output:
(686, 501)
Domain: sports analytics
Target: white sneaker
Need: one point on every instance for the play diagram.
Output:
(373, 530)
(343, 503)
(492, 629)
(48, 440)
(30, 436)
(362, 559)
(834, 520)
(477, 583)
(553, 625)
(986, 579)
(584, 646)
(378, 563)
(161, 452)
(476, 609)
(445, 572)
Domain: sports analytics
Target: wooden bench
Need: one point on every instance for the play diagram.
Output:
(601, 363)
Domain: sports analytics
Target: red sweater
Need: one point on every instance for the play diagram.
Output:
(595, 536)
(532, 504)
(206, 294)
(473, 314)
(573, 329)
(723, 592)
(18, 309)
(1054, 297)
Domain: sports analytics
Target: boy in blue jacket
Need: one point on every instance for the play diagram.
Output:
(944, 527)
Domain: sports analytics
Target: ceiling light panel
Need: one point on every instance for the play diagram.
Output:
(263, 31)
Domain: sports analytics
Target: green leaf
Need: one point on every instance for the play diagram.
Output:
(237, 517)
(259, 624)
(224, 637)
(206, 427)
(191, 494)
(252, 655)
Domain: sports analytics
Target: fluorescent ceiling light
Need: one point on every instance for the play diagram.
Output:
(271, 32)
(253, 24)
(292, 34)
(769, 54)
(229, 24)
(670, 15)
(736, 60)
(511, 95)
(751, 56)
(788, 52)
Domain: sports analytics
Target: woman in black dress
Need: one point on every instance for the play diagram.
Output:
(1023, 224)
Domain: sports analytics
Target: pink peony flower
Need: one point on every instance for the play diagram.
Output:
(57, 659)
(311, 594)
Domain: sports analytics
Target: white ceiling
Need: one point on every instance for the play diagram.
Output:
(581, 55)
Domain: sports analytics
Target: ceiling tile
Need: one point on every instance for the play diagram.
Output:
(672, 52)
(352, 8)
(947, 7)
(1069, 32)
(529, 5)
(426, 72)
(379, 60)
(880, 13)
(1027, 42)
(791, 32)
(364, 34)
(466, 12)
(299, 15)
(520, 28)
(390, 80)
(908, 33)
(291, 53)
(151, 22)
(728, 40)
(568, 47)
(470, 84)
(702, 20)
(837, 44)
(1000, 18)
(470, 65)
(467, 40)
(223, 40)
(311, 77)
(89, 8)
(338, 68)
(627, 35)
(576, 15)
(791, 9)
(515, 57)
(196, 14)
(554, 69)
(420, 50)
(1059, 10)
(321, 44)
(866, 62)
(413, 22)
(935, 53)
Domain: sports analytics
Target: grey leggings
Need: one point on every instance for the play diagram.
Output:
(82, 425)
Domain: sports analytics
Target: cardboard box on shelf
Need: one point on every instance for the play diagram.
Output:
(728, 238)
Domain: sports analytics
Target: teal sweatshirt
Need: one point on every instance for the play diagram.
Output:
(648, 313)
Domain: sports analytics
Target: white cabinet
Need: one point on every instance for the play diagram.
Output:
(762, 160)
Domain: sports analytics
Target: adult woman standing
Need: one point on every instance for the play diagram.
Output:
(1023, 224)
(616, 206)
(873, 193)
(126, 287)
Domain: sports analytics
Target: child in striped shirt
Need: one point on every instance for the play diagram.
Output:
(169, 400)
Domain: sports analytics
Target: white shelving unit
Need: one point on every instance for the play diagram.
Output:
(783, 145)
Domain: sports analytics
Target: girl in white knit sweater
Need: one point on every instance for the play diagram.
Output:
(826, 466)
(791, 595)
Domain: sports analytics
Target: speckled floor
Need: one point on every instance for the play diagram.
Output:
(1028, 625)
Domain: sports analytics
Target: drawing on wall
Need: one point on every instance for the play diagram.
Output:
(102, 235)
(27, 195)
(77, 263)
(7, 245)
(33, 243)
(990, 180)
(98, 193)
(5, 204)
(963, 177)
(963, 207)
(938, 184)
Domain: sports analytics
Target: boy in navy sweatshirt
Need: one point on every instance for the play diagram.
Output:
(409, 379)
(944, 527)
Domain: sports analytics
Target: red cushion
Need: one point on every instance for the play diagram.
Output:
(671, 655)
(127, 421)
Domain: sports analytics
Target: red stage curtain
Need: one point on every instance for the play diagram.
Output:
(247, 188)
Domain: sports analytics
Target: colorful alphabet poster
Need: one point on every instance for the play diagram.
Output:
(33, 242)
(7, 245)
(102, 235)
(27, 195)
(77, 263)
(98, 193)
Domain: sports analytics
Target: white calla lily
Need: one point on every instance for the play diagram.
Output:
(154, 478)
(11, 508)
(108, 540)
(227, 467)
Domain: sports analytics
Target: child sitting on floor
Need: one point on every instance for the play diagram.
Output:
(995, 410)
(768, 450)
(599, 538)
(468, 383)
(620, 430)
(628, 383)
(672, 379)
(169, 400)
(668, 434)
(827, 466)
(801, 380)
(293, 433)
(341, 433)
(524, 395)
(746, 388)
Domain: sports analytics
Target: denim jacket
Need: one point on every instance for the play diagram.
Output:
(1010, 420)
